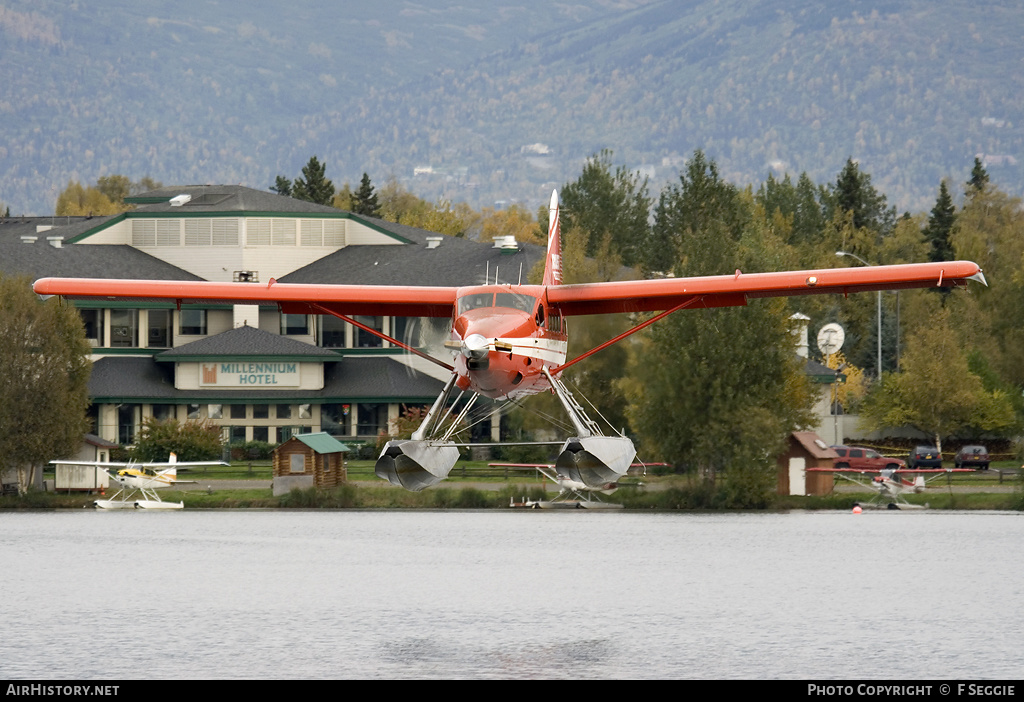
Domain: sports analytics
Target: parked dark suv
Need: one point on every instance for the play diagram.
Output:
(861, 458)
(925, 457)
(972, 457)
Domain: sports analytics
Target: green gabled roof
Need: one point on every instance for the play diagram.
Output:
(321, 442)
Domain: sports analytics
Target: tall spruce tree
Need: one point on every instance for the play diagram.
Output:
(854, 193)
(979, 177)
(940, 224)
(282, 186)
(313, 186)
(364, 201)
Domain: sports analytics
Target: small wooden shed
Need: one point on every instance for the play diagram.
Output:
(805, 449)
(308, 460)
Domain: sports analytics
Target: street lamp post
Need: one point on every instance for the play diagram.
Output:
(846, 253)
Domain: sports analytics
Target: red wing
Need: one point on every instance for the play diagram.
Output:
(389, 300)
(735, 290)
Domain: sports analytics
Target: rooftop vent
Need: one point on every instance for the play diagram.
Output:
(180, 200)
(434, 241)
(247, 276)
(56, 241)
(28, 238)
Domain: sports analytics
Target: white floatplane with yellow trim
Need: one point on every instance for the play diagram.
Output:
(142, 479)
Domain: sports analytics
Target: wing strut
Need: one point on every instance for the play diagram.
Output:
(624, 334)
(382, 335)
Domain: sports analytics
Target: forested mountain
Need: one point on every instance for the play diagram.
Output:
(502, 101)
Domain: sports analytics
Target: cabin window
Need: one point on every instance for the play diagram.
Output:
(297, 464)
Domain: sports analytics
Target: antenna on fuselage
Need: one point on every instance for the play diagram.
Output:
(487, 273)
(520, 272)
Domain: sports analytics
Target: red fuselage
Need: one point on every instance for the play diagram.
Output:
(506, 335)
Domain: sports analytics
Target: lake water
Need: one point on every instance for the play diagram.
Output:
(510, 594)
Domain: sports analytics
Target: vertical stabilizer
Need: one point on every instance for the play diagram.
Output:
(553, 263)
(172, 472)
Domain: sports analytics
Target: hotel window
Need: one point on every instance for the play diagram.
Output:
(215, 411)
(238, 411)
(332, 332)
(193, 322)
(159, 329)
(124, 328)
(334, 418)
(126, 423)
(162, 413)
(284, 411)
(294, 324)
(193, 412)
(261, 411)
(91, 319)
(365, 339)
(371, 419)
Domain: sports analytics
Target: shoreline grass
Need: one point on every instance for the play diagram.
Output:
(676, 496)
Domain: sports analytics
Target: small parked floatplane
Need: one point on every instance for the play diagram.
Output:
(142, 479)
(571, 493)
(890, 485)
(509, 341)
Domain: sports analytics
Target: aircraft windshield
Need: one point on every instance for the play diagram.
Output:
(472, 302)
(516, 301)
